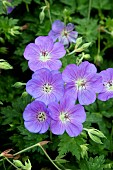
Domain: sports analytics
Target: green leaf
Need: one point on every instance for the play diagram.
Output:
(95, 163)
(104, 4)
(68, 144)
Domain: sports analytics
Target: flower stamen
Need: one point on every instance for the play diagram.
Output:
(47, 88)
(80, 84)
(64, 117)
(41, 116)
(109, 85)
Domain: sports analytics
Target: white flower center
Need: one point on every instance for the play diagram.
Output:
(109, 85)
(47, 88)
(41, 116)
(44, 56)
(80, 84)
(64, 117)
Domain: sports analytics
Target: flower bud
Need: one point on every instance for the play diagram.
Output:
(98, 59)
(83, 47)
(18, 84)
(78, 42)
(87, 56)
(41, 16)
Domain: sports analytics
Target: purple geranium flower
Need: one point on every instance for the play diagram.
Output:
(46, 86)
(107, 91)
(44, 54)
(83, 82)
(64, 34)
(36, 117)
(66, 117)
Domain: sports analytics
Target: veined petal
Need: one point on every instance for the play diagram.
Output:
(43, 75)
(67, 102)
(58, 51)
(72, 36)
(47, 98)
(77, 114)
(32, 126)
(32, 52)
(57, 127)
(45, 43)
(70, 27)
(105, 95)
(64, 40)
(57, 26)
(86, 97)
(37, 64)
(107, 74)
(54, 35)
(71, 90)
(74, 129)
(34, 88)
(94, 81)
(45, 127)
(70, 73)
(54, 110)
(54, 64)
(86, 68)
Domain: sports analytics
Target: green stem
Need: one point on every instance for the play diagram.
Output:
(49, 157)
(30, 147)
(111, 137)
(99, 42)
(72, 52)
(4, 165)
(89, 9)
(27, 7)
(38, 144)
(48, 8)
(106, 31)
(11, 163)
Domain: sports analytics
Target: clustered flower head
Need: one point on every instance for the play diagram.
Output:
(56, 94)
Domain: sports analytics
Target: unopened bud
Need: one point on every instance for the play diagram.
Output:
(98, 59)
(18, 163)
(86, 45)
(83, 47)
(86, 56)
(78, 42)
(41, 16)
(24, 94)
(18, 84)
